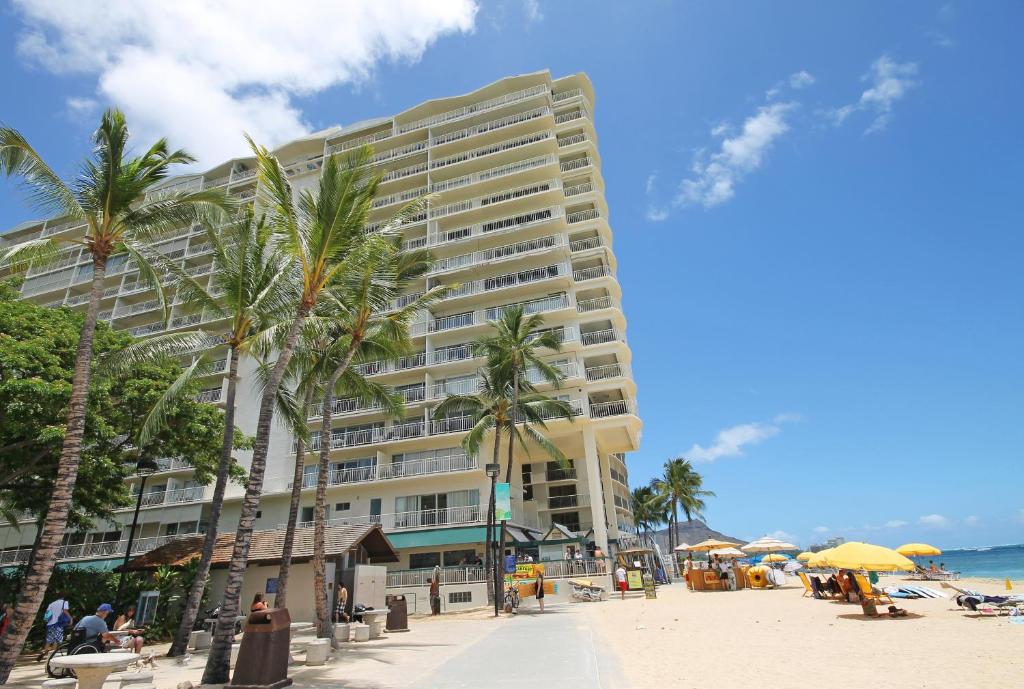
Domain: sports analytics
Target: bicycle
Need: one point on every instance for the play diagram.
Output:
(512, 598)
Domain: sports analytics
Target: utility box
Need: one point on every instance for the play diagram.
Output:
(264, 652)
(369, 586)
(398, 614)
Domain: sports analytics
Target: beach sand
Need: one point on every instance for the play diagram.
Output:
(776, 638)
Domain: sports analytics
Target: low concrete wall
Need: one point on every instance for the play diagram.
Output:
(418, 597)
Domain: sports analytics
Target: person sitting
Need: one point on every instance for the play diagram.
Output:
(258, 604)
(125, 622)
(94, 628)
(932, 567)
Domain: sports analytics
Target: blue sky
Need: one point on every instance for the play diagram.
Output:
(816, 210)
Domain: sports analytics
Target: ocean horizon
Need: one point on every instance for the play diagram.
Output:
(987, 561)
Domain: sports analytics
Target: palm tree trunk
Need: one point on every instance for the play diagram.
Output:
(489, 546)
(281, 599)
(195, 595)
(675, 527)
(511, 446)
(324, 628)
(37, 576)
(218, 663)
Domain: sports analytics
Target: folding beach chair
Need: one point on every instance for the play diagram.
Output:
(866, 591)
(808, 591)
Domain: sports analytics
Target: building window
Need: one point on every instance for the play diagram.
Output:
(342, 507)
(570, 520)
(307, 514)
(424, 560)
(527, 481)
(460, 597)
(453, 558)
(259, 513)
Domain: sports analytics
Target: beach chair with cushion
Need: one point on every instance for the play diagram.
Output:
(808, 591)
(868, 592)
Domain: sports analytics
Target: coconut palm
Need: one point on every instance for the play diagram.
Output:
(317, 229)
(112, 196)
(681, 487)
(649, 509)
(362, 318)
(251, 289)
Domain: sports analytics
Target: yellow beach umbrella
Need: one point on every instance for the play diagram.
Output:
(712, 544)
(856, 555)
(774, 557)
(918, 549)
(805, 556)
(818, 559)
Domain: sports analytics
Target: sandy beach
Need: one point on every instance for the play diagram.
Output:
(683, 639)
(776, 638)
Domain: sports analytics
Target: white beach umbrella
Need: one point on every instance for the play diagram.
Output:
(726, 553)
(768, 545)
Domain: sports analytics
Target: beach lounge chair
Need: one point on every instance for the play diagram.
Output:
(808, 591)
(867, 592)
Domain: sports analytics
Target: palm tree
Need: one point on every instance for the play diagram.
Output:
(363, 319)
(511, 352)
(251, 289)
(649, 509)
(112, 196)
(317, 229)
(681, 486)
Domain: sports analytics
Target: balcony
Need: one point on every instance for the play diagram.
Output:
(563, 502)
(596, 337)
(467, 111)
(500, 253)
(591, 273)
(578, 189)
(596, 373)
(492, 125)
(594, 304)
(579, 113)
(211, 396)
(396, 470)
(490, 200)
(172, 497)
(400, 197)
(493, 173)
(601, 410)
(128, 310)
(560, 474)
(566, 95)
(491, 149)
(404, 172)
(374, 368)
(582, 216)
(587, 244)
(100, 549)
(499, 282)
(572, 140)
(574, 165)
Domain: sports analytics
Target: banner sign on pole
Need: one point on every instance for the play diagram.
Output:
(502, 502)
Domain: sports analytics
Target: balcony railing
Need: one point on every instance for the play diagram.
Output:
(585, 244)
(578, 114)
(582, 216)
(210, 396)
(493, 173)
(404, 172)
(572, 140)
(561, 502)
(513, 223)
(565, 95)
(578, 189)
(552, 303)
(400, 197)
(497, 282)
(173, 497)
(491, 149)
(484, 127)
(560, 474)
(498, 253)
(374, 368)
(423, 467)
(127, 310)
(577, 164)
(595, 373)
(599, 337)
(594, 304)
(468, 110)
(469, 574)
(491, 200)
(591, 273)
(600, 410)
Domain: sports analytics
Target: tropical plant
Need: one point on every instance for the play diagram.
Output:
(362, 317)
(251, 289)
(112, 196)
(649, 509)
(317, 229)
(681, 487)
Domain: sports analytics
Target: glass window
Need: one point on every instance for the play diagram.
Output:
(453, 558)
(424, 560)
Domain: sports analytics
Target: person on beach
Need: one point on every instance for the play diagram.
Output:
(125, 622)
(540, 591)
(688, 570)
(258, 604)
(340, 615)
(931, 566)
(57, 619)
(95, 626)
(620, 576)
(723, 572)
(435, 596)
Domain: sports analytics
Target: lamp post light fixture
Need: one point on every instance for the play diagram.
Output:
(144, 467)
(492, 471)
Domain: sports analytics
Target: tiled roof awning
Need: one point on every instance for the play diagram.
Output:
(267, 546)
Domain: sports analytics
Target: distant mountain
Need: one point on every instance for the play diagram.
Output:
(693, 531)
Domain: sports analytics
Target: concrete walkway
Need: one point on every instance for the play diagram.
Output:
(558, 648)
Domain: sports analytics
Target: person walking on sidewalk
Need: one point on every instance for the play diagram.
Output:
(620, 576)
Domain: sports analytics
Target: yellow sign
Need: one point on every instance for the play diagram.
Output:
(528, 570)
(635, 579)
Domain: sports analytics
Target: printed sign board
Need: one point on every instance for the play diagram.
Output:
(502, 502)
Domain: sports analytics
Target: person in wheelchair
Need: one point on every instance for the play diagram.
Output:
(94, 631)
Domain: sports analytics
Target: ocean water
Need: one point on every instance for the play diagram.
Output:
(996, 562)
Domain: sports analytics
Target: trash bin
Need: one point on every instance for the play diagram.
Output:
(398, 614)
(264, 652)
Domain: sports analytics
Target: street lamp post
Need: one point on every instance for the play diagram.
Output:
(143, 468)
(492, 471)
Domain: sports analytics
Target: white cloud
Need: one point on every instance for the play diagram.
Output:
(714, 179)
(80, 107)
(532, 10)
(649, 184)
(933, 520)
(801, 80)
(721, 129)
(821, 529)
(889, 82)
(788, 417)
(895, 523)
(201, 73)
(783, 536)
(655, 214)
(972, 520)
(729, 442)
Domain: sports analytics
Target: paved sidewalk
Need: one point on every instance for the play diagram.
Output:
(558, 648)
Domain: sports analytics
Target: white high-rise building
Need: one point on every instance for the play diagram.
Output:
(519, 217)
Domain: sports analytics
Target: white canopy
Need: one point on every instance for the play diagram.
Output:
(768, 545)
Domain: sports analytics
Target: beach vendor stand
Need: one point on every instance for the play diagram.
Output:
(525, 579)
(637, 562)
(709, 579)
